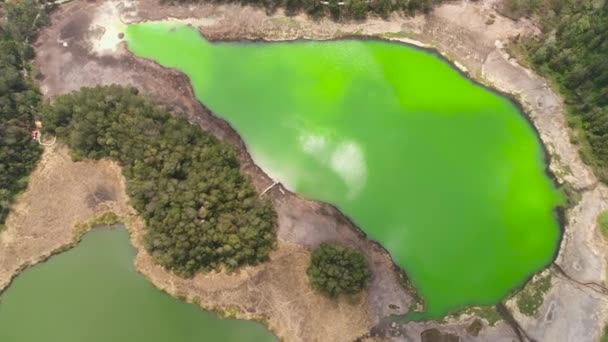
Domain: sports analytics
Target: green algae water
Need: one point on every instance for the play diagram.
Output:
(446, 175)
(92, 293)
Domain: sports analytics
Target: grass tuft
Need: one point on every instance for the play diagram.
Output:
(602, 222)
(532, 296)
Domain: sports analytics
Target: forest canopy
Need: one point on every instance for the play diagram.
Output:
(337, 270)
(19, 99)
(201, 213)
(337, 9)
(573, 51)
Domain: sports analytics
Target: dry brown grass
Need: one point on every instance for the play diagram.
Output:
(61, 194)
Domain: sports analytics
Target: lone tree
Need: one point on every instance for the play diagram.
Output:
(336, 270)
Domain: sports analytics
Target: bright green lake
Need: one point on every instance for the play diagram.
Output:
(446, 175)
(92, 293)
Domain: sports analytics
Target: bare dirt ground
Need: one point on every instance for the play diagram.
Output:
(61, 193)
(82, 48)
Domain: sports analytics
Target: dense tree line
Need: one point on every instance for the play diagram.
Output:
(201, 213)
(337, 9)
(19, 98)
(516, 9)
(335, 270)
(573, 51)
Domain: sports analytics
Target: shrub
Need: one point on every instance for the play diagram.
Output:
(532, 296)
(602, 222)
(335, 270)
(605, 334)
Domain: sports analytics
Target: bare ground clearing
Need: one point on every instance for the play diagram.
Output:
(78, 49)
(61, 194)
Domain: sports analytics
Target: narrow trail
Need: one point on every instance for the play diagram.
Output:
(39, 139)
(597, 288)
(506, 315)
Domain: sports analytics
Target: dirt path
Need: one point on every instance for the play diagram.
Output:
(82, 48)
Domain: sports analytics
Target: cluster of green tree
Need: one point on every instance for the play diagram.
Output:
(516, 9)
(335, 270)
(337, 9)
(19, 98)
(573, 51)
(200, 211)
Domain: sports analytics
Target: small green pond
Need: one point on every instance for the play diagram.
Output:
(92, 293)
(448, 176)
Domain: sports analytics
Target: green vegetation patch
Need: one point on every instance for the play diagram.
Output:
(201, 213)
(19, 99)
(107, 218)
(571, 195)
(417, 300)
(516, 9)
(605, 335)
(489, 313)
(335, 270)
(337, 9)
(602, 222)
(572, 51)
(531, 297)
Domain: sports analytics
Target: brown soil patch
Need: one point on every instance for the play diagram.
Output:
(434, 335)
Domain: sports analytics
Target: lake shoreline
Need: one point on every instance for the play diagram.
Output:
(484, 60)
(114, 269)
(558, 212)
